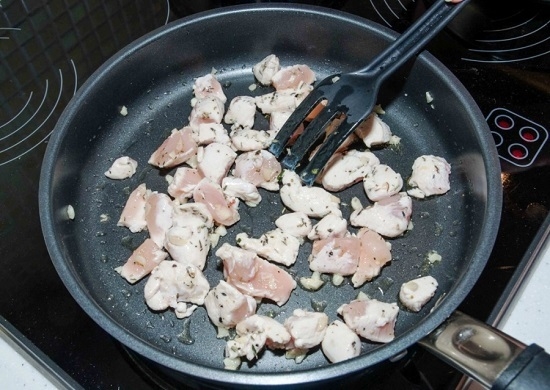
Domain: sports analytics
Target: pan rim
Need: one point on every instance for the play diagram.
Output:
(462, 287)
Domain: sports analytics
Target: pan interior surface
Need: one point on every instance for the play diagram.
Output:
(153, 79)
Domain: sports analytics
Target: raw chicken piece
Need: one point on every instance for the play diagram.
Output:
(184, 182)
(122, 168)
(282, 100)
(209, 109)
(316, 202)
(173, 285)
(340, 342)
(176, 149)
(348, 168)
(133, 214)
(223, 209)
(241, 112)
(292, 77)
(158, 214)
(277, 119)
(275, 245)
(254, 276)
(188, 240)
(374, 254)
(226, 306)
(430, 176)
(206, 133)
(297, 224)
(371, 319)
(382, 182)
(260, 168)
(331, 225)
(215, 160)
(247, 140)
(417, 292)
(389, 217)
(253, 334)
(306, 328)
(207, 86)
(240, 188)
(266, 68)
(335, 255)
(373, 131)
(142, 261)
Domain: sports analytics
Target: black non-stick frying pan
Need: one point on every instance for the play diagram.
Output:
(153, 78)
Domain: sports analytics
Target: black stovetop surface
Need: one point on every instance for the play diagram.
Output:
(49, 48)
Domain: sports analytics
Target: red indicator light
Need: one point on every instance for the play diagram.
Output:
(504, 122)
(529, 134)
(517, 153)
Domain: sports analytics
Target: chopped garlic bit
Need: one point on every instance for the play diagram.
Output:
(232, 363)
(123, 111)
(356, 204)
(394, 140)
(429, 97)
(252, 87)
(103, 217)
(335, 79)
(312, 283)
(362, 296)
(70, 212)
(337, 280)
(433, 257)
(379, 110)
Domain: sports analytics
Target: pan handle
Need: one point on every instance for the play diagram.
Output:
(493, 358)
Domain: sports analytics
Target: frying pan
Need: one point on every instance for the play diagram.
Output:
(153, 78)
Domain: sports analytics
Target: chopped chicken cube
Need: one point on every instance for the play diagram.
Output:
(260, 168)
(133, 214)
(374, 131)
(340, 342)
(253, 334)
(239, 188)
(306, 328)
(158, 214)
(223, 209)
(266, 68)
(254, 276)
(206, 133)
(188, 240)
(331, 225)
(335, 255)
(173, 285)
(430, 176)
(277, 119)
(296, 223)
(382, 182)
(209, 109)
(389, 217)
(417, 292)
(374, 254)
(292, 77)
(176, 149)
(371, 319)
(247, 140)
(214, 161)
(142, 261)
(241, 112)
(275, 245)
(226, 306)
(348, 168)
(122, 168)
(184, 182)
(282, 100)
(208, 85)
(316, 202)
